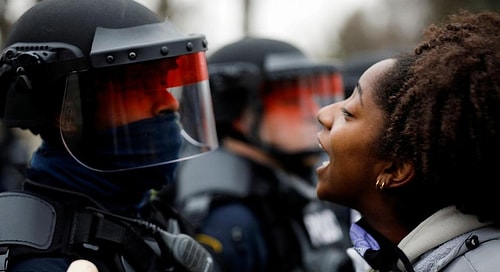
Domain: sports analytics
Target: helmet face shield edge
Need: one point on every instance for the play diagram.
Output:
(149, 100)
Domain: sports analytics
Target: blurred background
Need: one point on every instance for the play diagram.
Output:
(351, 33)
(335, 29)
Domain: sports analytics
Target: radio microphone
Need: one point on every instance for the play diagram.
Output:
(187, 251)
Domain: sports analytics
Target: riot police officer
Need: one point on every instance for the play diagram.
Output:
(259, 211)
(118, 96)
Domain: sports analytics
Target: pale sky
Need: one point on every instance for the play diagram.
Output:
(306, 24)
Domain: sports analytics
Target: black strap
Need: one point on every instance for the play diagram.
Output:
(93, 230)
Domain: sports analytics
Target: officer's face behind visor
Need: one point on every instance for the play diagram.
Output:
(139, 115)
(290, 106)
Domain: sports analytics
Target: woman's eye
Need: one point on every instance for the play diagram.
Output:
(346, 113)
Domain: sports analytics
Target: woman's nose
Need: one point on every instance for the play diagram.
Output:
(324, 117)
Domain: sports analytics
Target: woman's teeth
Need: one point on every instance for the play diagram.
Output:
(323, 165)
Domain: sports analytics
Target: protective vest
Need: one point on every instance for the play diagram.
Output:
(305, 232)
(47, 222)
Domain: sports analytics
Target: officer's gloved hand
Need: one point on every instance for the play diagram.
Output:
(82, 266)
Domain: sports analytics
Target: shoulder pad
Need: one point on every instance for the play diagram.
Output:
(216, 172)
(22, 213)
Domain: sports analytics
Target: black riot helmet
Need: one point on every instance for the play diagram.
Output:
(107, 79)
(283, 88)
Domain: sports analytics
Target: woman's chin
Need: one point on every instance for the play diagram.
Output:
(320, 191)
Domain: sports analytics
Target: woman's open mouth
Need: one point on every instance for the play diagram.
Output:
(325, 163)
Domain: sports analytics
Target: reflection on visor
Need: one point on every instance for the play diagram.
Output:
(139, 115)
(304, 93)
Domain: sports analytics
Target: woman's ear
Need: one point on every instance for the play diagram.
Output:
(402, 173)
(398, 173)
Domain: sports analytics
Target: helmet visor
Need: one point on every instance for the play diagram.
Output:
(290, 106)
(139, 115)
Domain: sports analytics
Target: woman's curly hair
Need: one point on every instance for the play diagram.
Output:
(443, 115)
